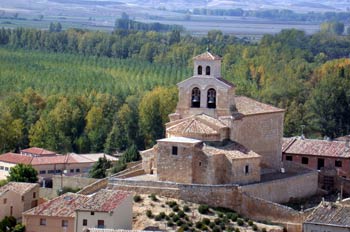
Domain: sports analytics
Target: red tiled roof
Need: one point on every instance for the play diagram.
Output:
(315, 147)
(104, 200)
(207, 56)
(41, 160)
(18, 187)
(328, 213)
(38, 151)
(66, 205)
(15, 158)
(248, 106)
(232, 150)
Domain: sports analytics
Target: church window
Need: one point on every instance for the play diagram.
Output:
(207, 70)
(246, 169)
(196, 98)
(174, 150)
(211, 101)
(199, 70)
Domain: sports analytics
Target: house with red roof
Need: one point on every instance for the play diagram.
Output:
(318, 154)
(49, 163)
(72, 212)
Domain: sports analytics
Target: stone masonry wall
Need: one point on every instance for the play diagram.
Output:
(282, 190)
(94, 187)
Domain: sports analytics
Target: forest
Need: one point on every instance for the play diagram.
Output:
(90, 91)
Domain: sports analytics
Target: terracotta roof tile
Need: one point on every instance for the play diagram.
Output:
(38, 151)
(207, 56)
(41, 160)
(316, 147)
(248, 106)
(18, 187)
(327, 213)
(233, 150)
(15, 158)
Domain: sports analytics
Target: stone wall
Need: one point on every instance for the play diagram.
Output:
(70, 181)
(282, 190)
(94, 187)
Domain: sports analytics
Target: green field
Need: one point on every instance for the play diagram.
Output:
(49, 73)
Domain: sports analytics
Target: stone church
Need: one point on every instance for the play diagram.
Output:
(215, 136)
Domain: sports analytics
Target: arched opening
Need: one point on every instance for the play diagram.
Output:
(196, 98)
(199, 70)
(211, 100)
(207, 70)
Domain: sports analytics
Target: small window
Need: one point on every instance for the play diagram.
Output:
(6, 168)
(64, 223)
(84, 222)
(289, 158)
(34, 194)
(5, 200)
(42, 172)
(22, 198)
(174, 150)
(338, 163)
(207, 70)
(100, 224)
(51, 171)
(72, 170)
(77, 170)
(305, 160)
(42, 221)
(1, 167)
(199, 70)
(246, 169)
(58, 171)
(92, 213)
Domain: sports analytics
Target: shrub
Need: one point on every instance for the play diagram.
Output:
(216, 229)
(171, 214)
(222, 226)
(240, 222)
(237, 230)
(230, 229)
(176, 208)
(181, 214)
(263, 230)
(186, 208)
(203, 209)
(179, 223)
(176, 218)
(137, 198)
(153, 197)
(250, 222)
(162, 215)
(171, 204)
(185, 227)
(149, 214)
(246, 219)
(212, 225)
(255, 227)
(221, 215)
(170, 223)
(158, 217)
(204, 228)
(232, 216)
(167, 218)
(199, 224)
(206, 221)
(217, 221)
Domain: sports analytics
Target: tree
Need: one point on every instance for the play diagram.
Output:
(55, 27)
(336, 28)
(131, 154)
(23, 173)
(8, 223)
(100, 167)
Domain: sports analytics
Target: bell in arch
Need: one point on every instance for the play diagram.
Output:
(195, 99)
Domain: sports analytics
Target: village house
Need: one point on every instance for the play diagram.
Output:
(328, 217)
(17, 197)
(49, 163)
(318, 154)
(215, 136)
(74, 212)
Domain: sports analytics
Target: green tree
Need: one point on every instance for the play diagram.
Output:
(7, 223)
(99, 169)
(336, 28)
(131, 154)
(23, 173)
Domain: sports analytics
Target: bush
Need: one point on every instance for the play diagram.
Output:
(176, 218)
(206, 221)
(255, 227)
(237, 230)
(153, 197)
(212, 225)
(216, 229)
(176, 208)
(167, 218)
(137, 198)
(263, 230)
(250, 223)
(199, 225)
(158, 218)
(232, 216)
(149, 214)
(246, 219)
(181, 214)
(186, 208)
(185, 227)
(162, 215)
(222, 226)
(203, 209)
(217, 221)
(170, 223)
(221, 215)
(179, 223)
(171, 214)
(240, 222)
(171, 204)
(230, 229)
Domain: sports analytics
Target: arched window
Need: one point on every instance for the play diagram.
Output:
(196, 98)
(211, 100)
(207, 70)
(199, 70)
